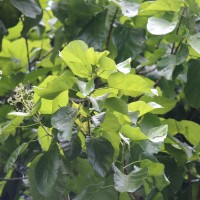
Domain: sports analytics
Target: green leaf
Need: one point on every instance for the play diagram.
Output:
(9, 128)
(100, 154)
(46, 171)
(159, 26)
(28, 7)
(44, 139)
(125, 66)
(86, 87)
(60, 183)
(192, 91)
(98, 191)
(134, 134)
(129, 9)
(63, 120)
(95, 33)
(160, 5)
(129, 42)
(13, 157)
(130, 182)
(52, 86)
(157, 134)
(75, 56)
(116, 104)
(143, 107)
(98, 102)
(190, 130)
(71, 148)
(131, 84)
(166, 103)
(194, 41)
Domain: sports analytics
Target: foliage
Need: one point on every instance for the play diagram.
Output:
(99, 99)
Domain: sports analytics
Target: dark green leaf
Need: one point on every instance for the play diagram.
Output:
(94, 33)
(63, 120)
(116, 104)
(192, 91)
(100, 154)
(130, 182)
(71, 148)
(28, 7)
(46, 171)
(129, 42)
(13, 157)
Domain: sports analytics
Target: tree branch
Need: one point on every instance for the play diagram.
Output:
(111, 29)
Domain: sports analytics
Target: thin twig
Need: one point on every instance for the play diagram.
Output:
(13, 179)
(177, 30)
(27, 53)
(111, 29)
(146, 72)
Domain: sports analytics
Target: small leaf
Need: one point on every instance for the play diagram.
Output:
(124, 66)
(159, 26)
(100, 154)
(44, 139)
(130, 182)
(46, 171)
(13, 157)
(63, 120)
(86, 87)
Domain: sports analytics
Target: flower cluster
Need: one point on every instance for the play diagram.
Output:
(22, 99)
(0, 74)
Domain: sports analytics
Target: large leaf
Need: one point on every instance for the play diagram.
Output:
(130, 182)
(13, 157)
(192, 91)
(46, 171)
(166, 103)
(28, 7)
(131, 84)
(98, 191)
(63, 120)
(134, 134)
(194, 41)
(60, 183)
(157, 134)
(160, 5)
(116, 104)
(129, 42)
(71, 148)
(100, 154)
(74, 55)
(9, 128)
(52, 86)
(94, 33)
(159, 26)
(44, 138)
(143, 107)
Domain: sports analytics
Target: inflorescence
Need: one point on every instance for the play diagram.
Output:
(22, 99)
